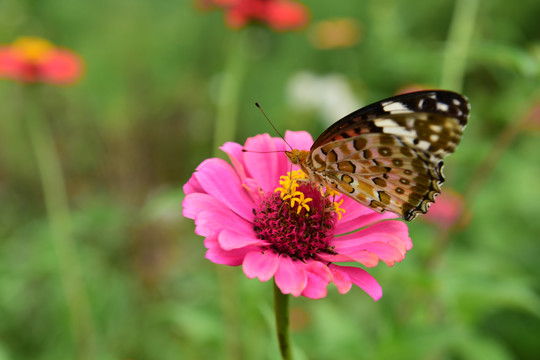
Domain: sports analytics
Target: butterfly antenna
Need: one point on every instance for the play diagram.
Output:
(272, 125)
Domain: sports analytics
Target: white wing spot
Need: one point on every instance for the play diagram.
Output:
(385, 122)
(434, 137)
(456, 102)
(389, 126)
(436, 128)
(400, 131)
(395, 107)
(424, 145)
(442, 106)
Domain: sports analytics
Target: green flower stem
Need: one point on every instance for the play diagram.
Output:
(453, 74)
(457, 44)
(281, 307)
(224, 130)
(56, 202)
(229, 300)
(505, 139)
(229, 91)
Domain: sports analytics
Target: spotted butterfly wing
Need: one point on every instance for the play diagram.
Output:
(388, 155)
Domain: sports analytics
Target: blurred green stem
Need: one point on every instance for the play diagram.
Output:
(225, 130)
(484, 170)
(229, 91)
(281, 308)
(453, 74)
(56, 202)
(228, 286)
(457, 44)
(505, 139)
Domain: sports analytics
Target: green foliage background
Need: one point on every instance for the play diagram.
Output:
(133, 130)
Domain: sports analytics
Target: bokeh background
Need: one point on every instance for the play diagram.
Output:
(160, 78)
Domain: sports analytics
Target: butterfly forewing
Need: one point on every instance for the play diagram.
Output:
(388, 155)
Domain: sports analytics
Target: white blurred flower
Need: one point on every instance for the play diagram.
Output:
(330, 95)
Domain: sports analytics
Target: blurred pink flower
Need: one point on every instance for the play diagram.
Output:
(280, 15)
(31, 59)
(447, 209)
(246, 222)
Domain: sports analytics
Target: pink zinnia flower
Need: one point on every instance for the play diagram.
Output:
(245, 221)
(31, 59)
(279, 15)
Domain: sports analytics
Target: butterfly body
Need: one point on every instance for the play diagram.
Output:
(388, 155)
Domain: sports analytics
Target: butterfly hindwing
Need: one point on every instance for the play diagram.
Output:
(388, 155)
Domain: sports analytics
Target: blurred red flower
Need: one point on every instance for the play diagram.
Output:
(280, 15)
(31, 59)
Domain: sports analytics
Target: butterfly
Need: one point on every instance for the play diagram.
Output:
(388, 155)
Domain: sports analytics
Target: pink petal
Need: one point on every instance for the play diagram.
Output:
(61, 67)
(341, 280)
(363, 257)
(10, 64)
(253, 190)
(300, 140)
(219, 256)
(328, 258)
(358, 216)
(362, 279)
(319, 276)
(211, 241)
(356, 242)
(387, 253)
(262, 265)
(290, 276)
(286, 15)
(219, 179)
(208, 222)
(388, 240)
(234, 151)
(197, 202)
(397, 229)
(230, 240)
(283, 164)
(263, 167)
(192, 186)
(280, 144)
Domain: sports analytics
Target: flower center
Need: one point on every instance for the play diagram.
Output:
(298, 219)
(32, 49)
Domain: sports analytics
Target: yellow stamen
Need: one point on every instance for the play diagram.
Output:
(288, 192)
(329, 192)
(32, 48)
(338, 209)
(289, 184)
(304, 205)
